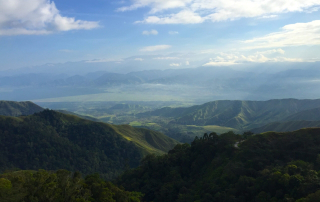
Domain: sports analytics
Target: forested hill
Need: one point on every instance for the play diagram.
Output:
(51, 140)
(236, 114)
(232, 168)
(11, 108)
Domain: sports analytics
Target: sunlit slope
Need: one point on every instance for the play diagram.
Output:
(236, 114)
(286, 126)
(80, 116)
(147, 140)
(52, 140)
(11, 108)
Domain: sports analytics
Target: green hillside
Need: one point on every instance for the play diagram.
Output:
(236, 114)
(269, 167)
(148, 141)
(81, 116)
(286, 126)
(51, 140)
(306, 115)
(11, 108)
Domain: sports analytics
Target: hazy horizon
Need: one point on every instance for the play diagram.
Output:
(190, 51)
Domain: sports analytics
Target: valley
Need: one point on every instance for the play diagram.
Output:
(184, 121)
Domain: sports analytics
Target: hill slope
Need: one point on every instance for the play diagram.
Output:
(52, 140)
(266, 167)
(286, 126)
(81, 116)
(306, 115)
(236, 114)
(11, 108)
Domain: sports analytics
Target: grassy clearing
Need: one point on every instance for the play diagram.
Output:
(135, 123)
(211, 128)
(149, 142)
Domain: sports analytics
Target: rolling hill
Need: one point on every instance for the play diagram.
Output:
(11, 108)
(52, 140)
(235, 114)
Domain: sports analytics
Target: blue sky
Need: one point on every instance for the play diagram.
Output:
(175, 33)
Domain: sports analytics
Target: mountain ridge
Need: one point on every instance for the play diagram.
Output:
(12, 108)
(236, 113)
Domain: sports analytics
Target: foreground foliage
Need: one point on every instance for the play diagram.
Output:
(230, 167)
(60, 186)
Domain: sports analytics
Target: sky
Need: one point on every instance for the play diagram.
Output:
(172, 33)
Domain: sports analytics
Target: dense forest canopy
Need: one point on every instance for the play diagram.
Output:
(265, 167)
(51, 140)
(60, 186)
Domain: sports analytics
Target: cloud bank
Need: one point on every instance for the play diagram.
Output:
(225, 59)
(155, 48)
(198, 11)
(36, 17)
(298, 34)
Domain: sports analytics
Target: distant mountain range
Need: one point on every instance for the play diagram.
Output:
(242, 115)
(214, 83)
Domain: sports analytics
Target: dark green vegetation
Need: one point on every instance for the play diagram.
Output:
(286, 126)
(233, 168)
(10, 108)
(60, 186)
(51, 140)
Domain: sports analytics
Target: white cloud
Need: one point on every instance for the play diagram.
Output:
(183, 17)
(156, 5)
(268, 52)
(155, 48)
(36, 17)
(166, 58)
(269, 16)
(151, 32)
(173, 32)
(187, 63)
(198, 11)
(139, 59)
(233, 59)
(298, 34)
(175, 65)
(105, 60)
